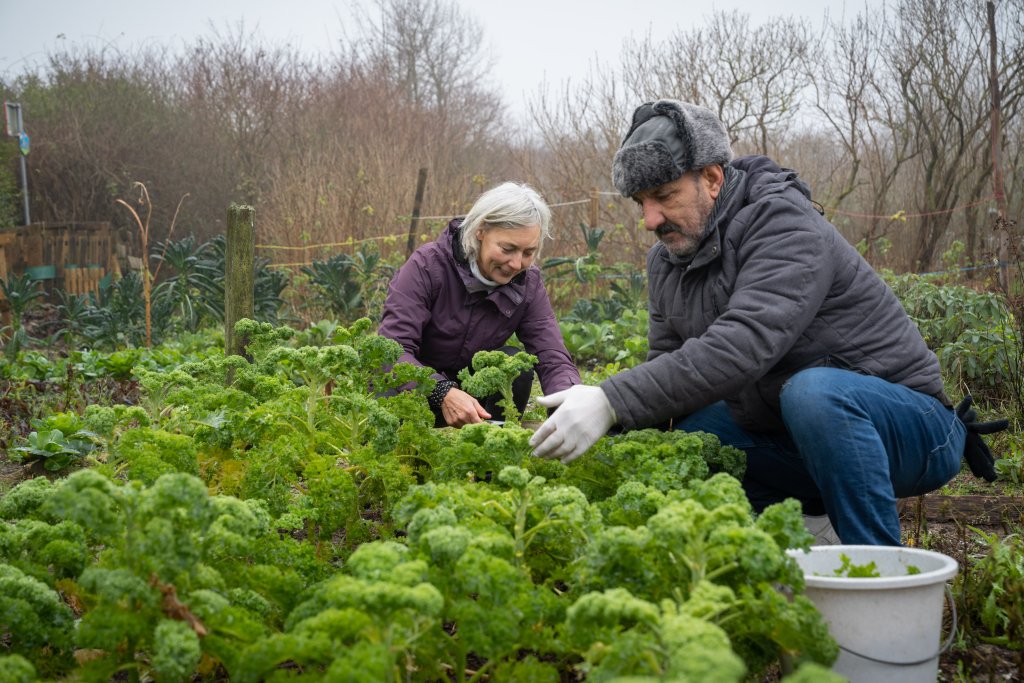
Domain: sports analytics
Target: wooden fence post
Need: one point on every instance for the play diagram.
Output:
(421, 182)
(595, 201)
(239, 275)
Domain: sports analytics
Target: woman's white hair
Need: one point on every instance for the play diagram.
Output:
(509, 206)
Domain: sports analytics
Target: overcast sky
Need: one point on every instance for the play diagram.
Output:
(534, 40)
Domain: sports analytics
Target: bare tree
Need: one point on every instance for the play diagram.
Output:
(579, 128)
(746, 73)
(936, 56)
(858, 110)
(237, 88)
(430, 49)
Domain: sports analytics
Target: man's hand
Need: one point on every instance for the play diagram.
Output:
(979, 457)
(583, 416)
(459, 408)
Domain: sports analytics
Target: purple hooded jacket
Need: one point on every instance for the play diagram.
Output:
(439, 313)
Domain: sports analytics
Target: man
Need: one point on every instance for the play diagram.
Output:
(769, 330)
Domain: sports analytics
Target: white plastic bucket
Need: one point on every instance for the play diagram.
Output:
(888, 627)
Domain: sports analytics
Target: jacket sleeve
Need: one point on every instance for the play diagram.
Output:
(408, 306)
(784, 270)
(541, 336)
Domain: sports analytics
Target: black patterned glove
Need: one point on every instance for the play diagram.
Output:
(979, 457)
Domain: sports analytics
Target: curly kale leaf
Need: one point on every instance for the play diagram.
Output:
(344, 642)
(47, 552)
(769, 623)
(478, 451)
(233, 527)
(382, 598)
(699, 650)
(377, 561)
(721, 458)
(344, 618)
(332, 494)
(107, 421)
(784, 522)
(261, 338)
(499, 609)
(176, 650)
(599, 616)
(665, 461)
(17, 669)
(810, 672)
(617, 557)
(148, 453)
(632, 505)
(271, 473)
(230, 625)
(37, 622)
(624, 636)
(26, 499)
(90, 500)
(719, 490)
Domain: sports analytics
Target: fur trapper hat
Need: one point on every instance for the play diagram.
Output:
(667, 139)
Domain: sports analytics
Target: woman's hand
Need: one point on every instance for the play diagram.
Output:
(459, 408)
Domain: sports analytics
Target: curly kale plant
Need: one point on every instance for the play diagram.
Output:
(149, 557)
(147, 454)
(478, 451)
(17, 669)
(490, 553)
(548, 524)
(622, 635)
(666, 461)
(493, 373)
(363, 625)
(36, 623)
(704, 540)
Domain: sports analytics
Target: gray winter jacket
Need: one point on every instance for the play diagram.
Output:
(773, 289)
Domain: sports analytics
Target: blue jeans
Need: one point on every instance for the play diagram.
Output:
(854, 445)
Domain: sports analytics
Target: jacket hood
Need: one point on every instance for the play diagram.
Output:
(765, 177)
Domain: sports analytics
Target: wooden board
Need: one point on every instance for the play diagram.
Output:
(972, 510)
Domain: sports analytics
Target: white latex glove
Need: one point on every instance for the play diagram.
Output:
(584, 415)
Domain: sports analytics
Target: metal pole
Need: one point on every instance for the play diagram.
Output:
(21, 159)
(24, 189)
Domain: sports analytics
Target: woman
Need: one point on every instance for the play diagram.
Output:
(472, 289)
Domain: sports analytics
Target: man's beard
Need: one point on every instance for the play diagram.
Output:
(683, 249)
(691, 240)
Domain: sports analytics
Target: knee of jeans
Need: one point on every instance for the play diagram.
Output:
(804, 390)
